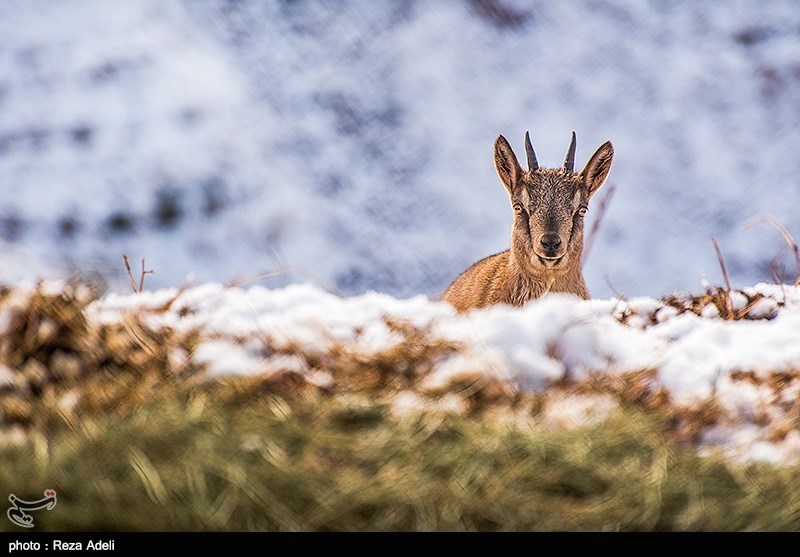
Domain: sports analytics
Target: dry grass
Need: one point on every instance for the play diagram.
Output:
(53, 357)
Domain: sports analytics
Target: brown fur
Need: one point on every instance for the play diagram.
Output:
(546, 237)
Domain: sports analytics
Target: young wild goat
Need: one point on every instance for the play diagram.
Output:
(547, 234)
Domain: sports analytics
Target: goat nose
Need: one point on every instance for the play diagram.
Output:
(551, 243)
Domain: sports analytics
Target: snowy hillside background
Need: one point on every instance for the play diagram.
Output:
(351, 141)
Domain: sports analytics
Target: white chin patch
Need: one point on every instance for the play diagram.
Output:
(549, 263)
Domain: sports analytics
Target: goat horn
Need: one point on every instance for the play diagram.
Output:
(569, 162)
(533, 164)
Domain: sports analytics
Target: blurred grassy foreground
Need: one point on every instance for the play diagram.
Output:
(130, 442)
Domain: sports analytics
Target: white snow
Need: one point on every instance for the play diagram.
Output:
(697, 360)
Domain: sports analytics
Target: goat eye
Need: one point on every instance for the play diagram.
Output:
(582, 210)
(518, 208)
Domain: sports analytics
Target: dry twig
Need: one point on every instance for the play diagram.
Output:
(282, 271)
(602, 207)
(728, 301)
(141, 278)
(786, 236)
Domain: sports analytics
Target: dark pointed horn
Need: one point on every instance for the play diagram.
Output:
(533, 164)
(569, 162)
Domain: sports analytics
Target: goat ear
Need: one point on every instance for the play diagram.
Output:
(506, 164)
(596, 170)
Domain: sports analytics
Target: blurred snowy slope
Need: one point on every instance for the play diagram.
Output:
(351, 141)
